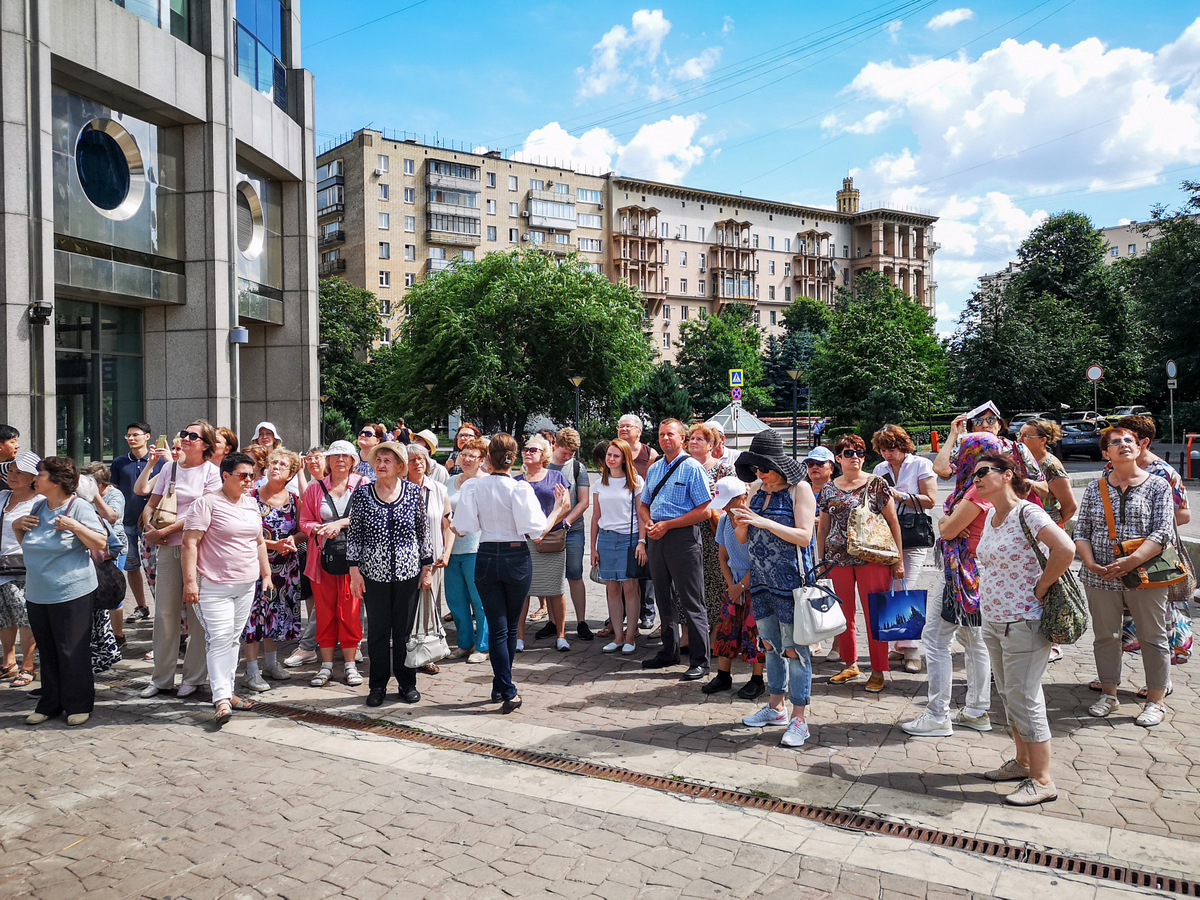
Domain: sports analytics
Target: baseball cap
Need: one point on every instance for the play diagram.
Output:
(728, 488)
(821, 454)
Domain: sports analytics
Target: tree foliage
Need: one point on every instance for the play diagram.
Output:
(499, 338)
(880, 360)
(348, 318)
(708, 348)
(659, 396)
(791, 351)
(807, 314)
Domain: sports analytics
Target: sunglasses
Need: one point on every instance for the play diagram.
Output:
(850, 453)
(986, 420)
(983, 472)
(244, 476)
(366, 432)
(191, 436)
(1124, 440)
(532, 450)
(762, 469)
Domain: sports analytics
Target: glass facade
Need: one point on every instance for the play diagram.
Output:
(169, 15)
(260, 47)
(98, 377)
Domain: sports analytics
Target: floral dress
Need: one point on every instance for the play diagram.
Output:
(839, 504)
(714, 582)
(277, 619)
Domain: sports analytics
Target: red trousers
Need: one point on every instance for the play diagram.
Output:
(869, 578)
(339, 620)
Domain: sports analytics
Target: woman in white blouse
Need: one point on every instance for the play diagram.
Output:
(505, 512)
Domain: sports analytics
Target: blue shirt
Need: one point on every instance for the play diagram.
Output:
(58, 565)
(739, 556)
(125, 472)
(686, 489)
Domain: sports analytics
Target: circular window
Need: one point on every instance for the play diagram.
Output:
(110, 170)
(250, 229)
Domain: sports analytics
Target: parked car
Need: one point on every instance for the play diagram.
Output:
(1081, 438)
(1122, 411)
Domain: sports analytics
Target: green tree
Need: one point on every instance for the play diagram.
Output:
(708, 348)
(791, 351)
(880, 360)
(660, 396)
(807, 313)
(348, 319)
(499, 338)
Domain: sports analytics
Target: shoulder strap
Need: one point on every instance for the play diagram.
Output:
(1037, 551)
(576, 470)
(174, 469)
(5, 496)
(662, 481)
(1108, 510)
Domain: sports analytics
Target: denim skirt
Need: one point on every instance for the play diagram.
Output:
(614, 554)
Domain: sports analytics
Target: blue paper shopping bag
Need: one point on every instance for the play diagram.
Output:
(897, 615)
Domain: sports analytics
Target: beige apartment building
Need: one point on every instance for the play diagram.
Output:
(392, 210)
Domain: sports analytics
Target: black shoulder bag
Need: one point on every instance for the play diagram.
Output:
(333, 550)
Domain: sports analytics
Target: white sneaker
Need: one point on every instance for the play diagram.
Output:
(300, 658)
(766, 716)
(186, 690)
(276, 672)
(979, 723)
(477, 657)
(255, 683)
(612, 648)
(928, 725)
(148, 692)
(796, 734)
(461, 652)
(628, 648)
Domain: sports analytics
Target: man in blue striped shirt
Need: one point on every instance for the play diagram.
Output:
(674, 502)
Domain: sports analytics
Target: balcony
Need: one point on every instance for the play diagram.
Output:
(450, 209)
(453, 238)
(333, 209)
(333, 267)
(452, 182)
(568, 222)
(433, 266)
(332, 237)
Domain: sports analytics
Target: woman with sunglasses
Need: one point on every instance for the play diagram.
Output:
(839, 498)
(369, 437)
(986, 420)
(224, 559)
(189, 478)
(549, 569)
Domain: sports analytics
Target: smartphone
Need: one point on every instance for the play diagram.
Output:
(161, 443)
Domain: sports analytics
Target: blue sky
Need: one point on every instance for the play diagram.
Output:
(988, 114)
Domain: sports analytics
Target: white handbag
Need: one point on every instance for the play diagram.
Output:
(817, 614)
(427, 643)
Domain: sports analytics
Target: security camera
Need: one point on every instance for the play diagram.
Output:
(40, 312)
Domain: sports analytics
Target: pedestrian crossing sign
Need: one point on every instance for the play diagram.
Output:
(735, 378)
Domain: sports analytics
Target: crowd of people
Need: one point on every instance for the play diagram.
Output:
(237, 544)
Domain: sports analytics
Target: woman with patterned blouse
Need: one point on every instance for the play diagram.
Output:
(391, 562)
(275, 618)
(839, 498)
(702, 442)
(1142, 508)
(1057, 500)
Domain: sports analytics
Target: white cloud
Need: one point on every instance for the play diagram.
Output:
(893, 29)
(697, 66)
(621, 48)
(950, 18)
(660, 151)
(727, 25)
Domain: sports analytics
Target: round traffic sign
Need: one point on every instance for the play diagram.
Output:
(1094, 373)
(1172, 369)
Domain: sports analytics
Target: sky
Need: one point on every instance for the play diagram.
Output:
(989, 115)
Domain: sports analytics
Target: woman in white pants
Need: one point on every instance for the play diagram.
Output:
(224, 555)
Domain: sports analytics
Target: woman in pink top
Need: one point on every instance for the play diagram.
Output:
(189, 478)
(224, 556)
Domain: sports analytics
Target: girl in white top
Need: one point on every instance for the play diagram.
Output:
(16, 501)
(615, 532)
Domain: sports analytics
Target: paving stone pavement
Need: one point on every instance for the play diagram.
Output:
(145, 801)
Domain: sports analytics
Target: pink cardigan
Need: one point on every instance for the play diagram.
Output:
(310, 518)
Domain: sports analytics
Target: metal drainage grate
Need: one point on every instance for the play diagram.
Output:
(824, 815)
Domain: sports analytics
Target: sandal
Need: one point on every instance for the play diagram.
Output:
(24, 679)
(10, 671)
(430, 668)
(239, 704)
(1142, 693)
(322, 677)
(606, 631)
(224, 713)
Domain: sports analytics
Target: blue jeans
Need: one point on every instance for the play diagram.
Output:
(784, 674)
(503, 573)
(463, 600)
(575, 555)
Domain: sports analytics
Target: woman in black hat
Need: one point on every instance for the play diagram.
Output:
(778, 527)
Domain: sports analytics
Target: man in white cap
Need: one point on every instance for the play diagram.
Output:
(437, 472)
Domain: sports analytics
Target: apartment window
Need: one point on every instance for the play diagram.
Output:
(771, 294)
(491, 179)
(514, 210)
(514, 236)
(491, 207)
(755, 290)
(683, 233)
(590, 245)
(702, 260)
(437, 253)
(561, 238)
(666, 344)
(845, 251)
(331, 168)
(787, 245)
(1116, 252)
(700, 287)
(467, 255)
(385, 279)
(536, 184)
(381, 163)
(410, 223)
(683, 288)
(588, 221)
(583, 195)
(331, 228)
(787, 294)
(683, 259)
(491, 232)
(754, 241)
(410, 278)
(383, 192)
(666, 257)
(773, 317)
(512, 182)
(560, 188)
(683, 310)
(664, 230)
(385, 250)
(770, 242)
(384, 221)
(330, 256)
(1133, 249)
(1148, 243)
(410, 167)
(386, 305)
(410, 195)
(787, 268)
(770, 267)
(410, 252)
(757, 317)
(666, 312)
(537, 237)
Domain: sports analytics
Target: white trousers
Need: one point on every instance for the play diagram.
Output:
(937, 637)
(223, 611)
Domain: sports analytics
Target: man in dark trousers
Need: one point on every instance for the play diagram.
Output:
(674, 502)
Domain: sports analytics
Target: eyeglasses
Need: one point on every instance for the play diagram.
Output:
(191, 436)
(983, 472)
(1123, 440)
(986, 420)
(851, 452)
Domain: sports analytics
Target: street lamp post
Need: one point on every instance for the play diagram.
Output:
(576, 380)
(321, 412)
(429, 390)
(794, 374)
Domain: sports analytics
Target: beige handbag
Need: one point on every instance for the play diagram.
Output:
(869, 538)
(167, 511)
